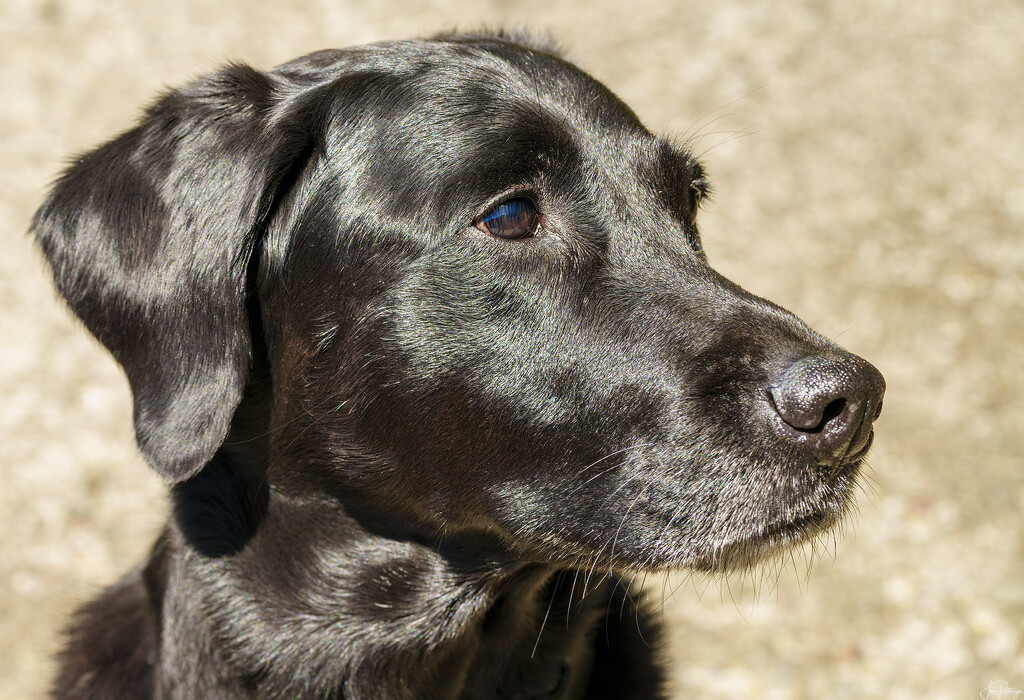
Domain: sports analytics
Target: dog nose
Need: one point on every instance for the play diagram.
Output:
(827, 404)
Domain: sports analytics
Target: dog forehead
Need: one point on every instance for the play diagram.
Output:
(462, 88)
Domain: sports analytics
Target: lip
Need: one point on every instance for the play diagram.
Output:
(795, 530)
(751, 550)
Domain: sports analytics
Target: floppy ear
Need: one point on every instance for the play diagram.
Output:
(151, 238)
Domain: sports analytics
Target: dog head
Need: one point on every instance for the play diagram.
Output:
(457, 288)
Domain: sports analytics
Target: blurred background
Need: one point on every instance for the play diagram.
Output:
(868, 159)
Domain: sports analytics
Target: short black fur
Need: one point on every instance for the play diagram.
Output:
(409, 459)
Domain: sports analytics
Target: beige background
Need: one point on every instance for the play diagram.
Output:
(869, 163)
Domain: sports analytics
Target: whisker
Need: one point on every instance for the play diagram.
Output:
(625, 516)
(603, 472)
(554, 592)
(734, 137)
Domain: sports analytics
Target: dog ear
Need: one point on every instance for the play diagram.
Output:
(153, 237)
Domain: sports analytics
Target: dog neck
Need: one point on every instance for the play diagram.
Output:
(374, 609)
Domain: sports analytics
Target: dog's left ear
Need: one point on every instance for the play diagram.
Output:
(152, 238)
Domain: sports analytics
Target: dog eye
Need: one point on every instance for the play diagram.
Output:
(516, 218)
(700, 191)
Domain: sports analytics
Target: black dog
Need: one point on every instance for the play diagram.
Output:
(423, 336)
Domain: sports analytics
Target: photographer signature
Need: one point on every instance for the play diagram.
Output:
(1000, 690)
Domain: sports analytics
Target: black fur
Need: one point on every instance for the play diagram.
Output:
(409, 459)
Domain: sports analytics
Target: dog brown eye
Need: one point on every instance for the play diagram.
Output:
(516, 218)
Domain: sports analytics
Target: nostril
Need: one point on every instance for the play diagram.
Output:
(806, 414)
(832, 411)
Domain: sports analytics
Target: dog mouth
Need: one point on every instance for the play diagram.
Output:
(747, 551)
(799, 529)
(755, 536)
(745, 518)
(730, 546)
